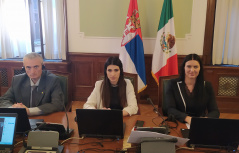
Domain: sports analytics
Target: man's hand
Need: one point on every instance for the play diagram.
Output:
(20, 105)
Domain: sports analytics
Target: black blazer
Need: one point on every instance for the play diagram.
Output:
(178, 103)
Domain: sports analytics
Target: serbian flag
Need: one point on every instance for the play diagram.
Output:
(132, 49)
(165, 61)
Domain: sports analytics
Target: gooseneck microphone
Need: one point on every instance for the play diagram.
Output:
(159, 114)
(64, 133)
(68, 133)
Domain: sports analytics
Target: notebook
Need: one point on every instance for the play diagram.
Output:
(8, 124)
(100, 123)
(214, 133)
(23, 123)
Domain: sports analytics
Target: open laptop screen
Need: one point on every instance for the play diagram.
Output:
(7, 130)
(23, 121)
(100, 123)
(214, 132)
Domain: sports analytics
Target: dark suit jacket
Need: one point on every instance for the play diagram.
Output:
(49, 93)
(205, 106)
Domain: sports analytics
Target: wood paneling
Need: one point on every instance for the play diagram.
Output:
(85, 68)
(225, 103)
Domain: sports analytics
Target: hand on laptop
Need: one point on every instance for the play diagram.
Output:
(20, 105)
(188, 119)
(106, 108)
(125, 113)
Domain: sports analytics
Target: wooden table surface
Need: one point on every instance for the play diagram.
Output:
(75, 144)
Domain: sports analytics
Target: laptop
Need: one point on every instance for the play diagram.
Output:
(214, 133)
(8, 124)
(100, 123)
(23, 123)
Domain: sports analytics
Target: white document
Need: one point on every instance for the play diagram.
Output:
(135, 137)
(188, 125)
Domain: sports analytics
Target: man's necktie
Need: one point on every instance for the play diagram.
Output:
(34, 97)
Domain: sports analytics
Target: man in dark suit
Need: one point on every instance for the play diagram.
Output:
(37, 90)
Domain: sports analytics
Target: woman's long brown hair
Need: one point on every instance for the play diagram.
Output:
(105, 87)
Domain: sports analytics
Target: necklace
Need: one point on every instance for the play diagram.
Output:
(114, 85)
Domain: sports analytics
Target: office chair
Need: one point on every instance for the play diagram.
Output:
(163, 82)
(65, 81)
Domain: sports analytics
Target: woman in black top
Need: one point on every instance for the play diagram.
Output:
(189, 95)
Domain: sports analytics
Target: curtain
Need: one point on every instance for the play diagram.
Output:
(15, 38)
(226, 33)
(55, 30)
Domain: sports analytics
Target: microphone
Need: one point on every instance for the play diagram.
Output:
(68, 131)
(159, 114)
(62, 98)
(64, 133)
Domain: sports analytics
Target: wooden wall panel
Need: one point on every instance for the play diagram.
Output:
(85, 68)
(213, 74)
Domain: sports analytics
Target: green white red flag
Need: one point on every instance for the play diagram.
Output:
(165, 62)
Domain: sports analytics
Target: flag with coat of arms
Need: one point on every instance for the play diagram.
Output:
(132, 49)
(165, 61)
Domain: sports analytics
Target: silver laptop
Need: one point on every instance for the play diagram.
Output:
(8, 124)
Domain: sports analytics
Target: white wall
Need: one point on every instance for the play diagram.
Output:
(192, 43)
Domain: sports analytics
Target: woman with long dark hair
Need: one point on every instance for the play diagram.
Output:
(113, 92)
(189, 95)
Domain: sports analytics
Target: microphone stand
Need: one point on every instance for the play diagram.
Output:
(67, 135)
(159, 114)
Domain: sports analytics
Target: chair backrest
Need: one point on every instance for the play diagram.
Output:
(163, 82)
(65, 81)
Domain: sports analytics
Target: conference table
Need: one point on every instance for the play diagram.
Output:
(75, 144)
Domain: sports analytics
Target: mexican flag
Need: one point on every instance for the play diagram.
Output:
(165, 60)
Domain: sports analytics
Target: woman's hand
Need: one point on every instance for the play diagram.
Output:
(106, 108)
(125, 113)
(188, 119)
